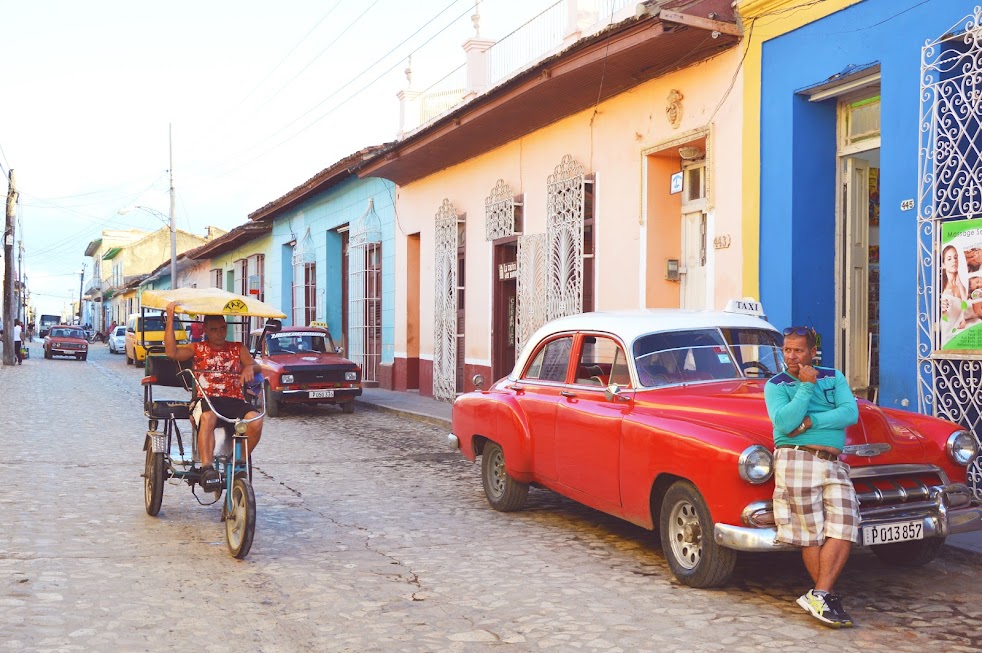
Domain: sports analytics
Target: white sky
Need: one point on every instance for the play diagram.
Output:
(256, 93)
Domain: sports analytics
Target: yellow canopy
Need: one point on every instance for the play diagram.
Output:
(208, 301)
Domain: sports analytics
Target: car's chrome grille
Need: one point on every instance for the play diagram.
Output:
(319, 376)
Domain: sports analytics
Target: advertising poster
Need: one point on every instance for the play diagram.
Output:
(960, 286)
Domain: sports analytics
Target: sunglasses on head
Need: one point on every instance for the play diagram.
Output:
(799, 331)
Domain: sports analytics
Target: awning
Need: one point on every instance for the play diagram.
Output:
(113, 251)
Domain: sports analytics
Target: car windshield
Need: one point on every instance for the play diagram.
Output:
(155, 323)
(757, 351)
(66, 333)
(707, 355)
(298, 342)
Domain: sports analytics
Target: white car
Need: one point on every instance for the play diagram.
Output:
(117, 340)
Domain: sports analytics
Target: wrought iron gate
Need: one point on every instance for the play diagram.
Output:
(445, 334)
(531, 312)
(564, 232)
(365, 293)
(950, 189)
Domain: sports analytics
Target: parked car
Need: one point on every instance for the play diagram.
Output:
(301, 365)
(66, 340)
(658, 417)
(148, 331)
(117, 340)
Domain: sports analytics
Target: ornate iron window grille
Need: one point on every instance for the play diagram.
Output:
(365, 293)
(445, 332)
(950, 189)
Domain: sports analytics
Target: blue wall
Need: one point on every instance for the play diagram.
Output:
(341, 205)
(798, 160)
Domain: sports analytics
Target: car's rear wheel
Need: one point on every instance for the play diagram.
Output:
(503, 492)
(687, 539)
(915, 553)
(272, 405)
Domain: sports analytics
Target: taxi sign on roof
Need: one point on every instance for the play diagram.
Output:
(746, 306)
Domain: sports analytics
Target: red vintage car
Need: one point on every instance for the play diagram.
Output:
(66, 340)
(301, 365)
(658, 417)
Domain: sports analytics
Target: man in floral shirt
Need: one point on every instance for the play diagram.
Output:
(221, 368)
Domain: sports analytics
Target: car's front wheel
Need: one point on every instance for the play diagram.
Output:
(272, 405)
(687, 539)
(915, 553)
(503, 492)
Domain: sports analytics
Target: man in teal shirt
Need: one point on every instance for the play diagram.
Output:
(815, 505)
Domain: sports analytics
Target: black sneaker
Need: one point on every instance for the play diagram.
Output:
(816, 605)
(210, 480)
(834, 602)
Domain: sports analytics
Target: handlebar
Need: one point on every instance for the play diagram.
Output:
(230, 420)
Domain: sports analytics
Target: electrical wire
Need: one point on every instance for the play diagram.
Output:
(346, 100)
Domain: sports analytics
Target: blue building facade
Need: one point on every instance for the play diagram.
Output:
(869, 165)
(332, 261)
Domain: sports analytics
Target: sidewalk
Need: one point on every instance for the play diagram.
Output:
(431, 411)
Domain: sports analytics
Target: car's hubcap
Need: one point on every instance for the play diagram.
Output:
(497, 473)
(686, 534)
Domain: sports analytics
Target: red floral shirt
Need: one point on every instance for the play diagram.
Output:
(219, 370)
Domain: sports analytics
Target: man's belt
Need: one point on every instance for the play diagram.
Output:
(819, 453)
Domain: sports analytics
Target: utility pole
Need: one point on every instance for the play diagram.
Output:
(81, 280)
(20, 281)
(173, 201)
(8, 273)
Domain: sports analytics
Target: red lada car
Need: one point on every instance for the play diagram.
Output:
(302, 366)
(658, 417)
(66, 340)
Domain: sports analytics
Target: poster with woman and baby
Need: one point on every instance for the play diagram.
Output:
(960, 290)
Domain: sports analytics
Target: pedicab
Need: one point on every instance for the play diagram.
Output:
(168, 457)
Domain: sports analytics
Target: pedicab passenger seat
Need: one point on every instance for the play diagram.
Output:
(165, 371)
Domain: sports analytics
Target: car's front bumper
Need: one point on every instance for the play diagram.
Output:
(940, 520)
(341, 395)
(59, 351)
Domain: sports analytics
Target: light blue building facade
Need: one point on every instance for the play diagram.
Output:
(331, 260)
(870, 137)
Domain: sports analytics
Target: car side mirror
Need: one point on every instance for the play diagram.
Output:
(478, 381)
(614, 391)
(273, 326)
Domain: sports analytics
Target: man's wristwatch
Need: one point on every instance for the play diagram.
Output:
(801, 428)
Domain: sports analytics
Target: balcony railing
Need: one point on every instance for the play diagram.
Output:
(528, 43)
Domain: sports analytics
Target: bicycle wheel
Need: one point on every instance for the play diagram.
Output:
(240, 522)
(153, 481)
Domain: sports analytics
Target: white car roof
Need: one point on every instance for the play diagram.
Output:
(630, 325)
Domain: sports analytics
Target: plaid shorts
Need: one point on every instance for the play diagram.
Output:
(813, 499)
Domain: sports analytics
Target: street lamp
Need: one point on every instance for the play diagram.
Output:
(173, 236)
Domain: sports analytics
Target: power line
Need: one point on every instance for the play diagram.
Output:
(353, 95)
(242, 101)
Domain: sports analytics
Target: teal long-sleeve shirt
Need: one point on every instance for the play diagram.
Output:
(828, 402)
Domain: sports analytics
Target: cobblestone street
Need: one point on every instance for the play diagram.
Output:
(372, 536)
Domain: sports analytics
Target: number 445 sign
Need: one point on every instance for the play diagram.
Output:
(906, 205)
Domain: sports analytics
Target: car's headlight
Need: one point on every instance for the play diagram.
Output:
(962, 447)
(286, 378)
(756, 464)
(351, 376)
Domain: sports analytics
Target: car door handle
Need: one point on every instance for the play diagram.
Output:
(568, 393)
(517, 387)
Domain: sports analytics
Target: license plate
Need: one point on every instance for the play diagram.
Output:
(896, 532)
(321, 394)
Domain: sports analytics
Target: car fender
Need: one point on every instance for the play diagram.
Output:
(479, 417)
(652, 455)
